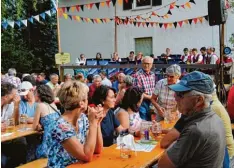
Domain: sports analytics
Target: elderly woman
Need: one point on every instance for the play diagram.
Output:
(127, 112)
(127, 82)
(65, 145)
(46, 112)
(105, 96)
(163, 98)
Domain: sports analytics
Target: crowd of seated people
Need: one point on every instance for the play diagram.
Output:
(81, 115)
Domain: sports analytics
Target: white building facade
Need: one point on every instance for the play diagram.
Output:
(90, 38)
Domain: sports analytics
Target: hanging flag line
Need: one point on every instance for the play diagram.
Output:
(120, 21)
(107, 3)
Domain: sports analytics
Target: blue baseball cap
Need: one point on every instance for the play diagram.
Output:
(195, 80)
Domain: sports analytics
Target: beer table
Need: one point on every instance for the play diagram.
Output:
(17, 133)
(110, 157)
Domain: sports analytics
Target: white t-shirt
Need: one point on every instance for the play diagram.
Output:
(7, 111)
(106, 82)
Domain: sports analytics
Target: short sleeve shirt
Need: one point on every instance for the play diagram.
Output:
(7, 111)
(108, 126)
(83, 124)
(201, 142)
(58, 157)
(25, 108)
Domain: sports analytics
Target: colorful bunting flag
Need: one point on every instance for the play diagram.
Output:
(48, 13)
(4, 25)
(36, 17)
(25, 22)
(42, 15)
(11, 23)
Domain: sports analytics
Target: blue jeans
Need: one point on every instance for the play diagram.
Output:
(144, 110)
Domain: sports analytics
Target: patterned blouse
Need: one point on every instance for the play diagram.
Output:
(61, 130)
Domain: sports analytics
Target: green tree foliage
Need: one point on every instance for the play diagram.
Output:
(31, 48)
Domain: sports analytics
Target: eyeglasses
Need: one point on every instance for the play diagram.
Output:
(168, 76)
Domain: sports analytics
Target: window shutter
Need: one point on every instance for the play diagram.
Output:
(127, 5)
(156, 2)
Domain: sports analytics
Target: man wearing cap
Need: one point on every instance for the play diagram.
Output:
(201, 142)
(27, 104)
(163, 97)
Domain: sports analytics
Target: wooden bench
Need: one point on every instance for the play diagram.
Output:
(40, 163)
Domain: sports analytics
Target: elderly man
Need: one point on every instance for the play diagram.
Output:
(53, 83)
(96, 83)
(163, 97)
(105, 80)
(11, 78)
(201, 141)
(146, 80)
(120, 79)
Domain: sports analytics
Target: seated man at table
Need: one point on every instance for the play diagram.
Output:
(9, 109)
(27, 104)
(200, 143)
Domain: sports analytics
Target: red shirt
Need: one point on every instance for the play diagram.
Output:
(230, 103)
(92, 89)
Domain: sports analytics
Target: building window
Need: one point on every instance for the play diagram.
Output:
(140, 4)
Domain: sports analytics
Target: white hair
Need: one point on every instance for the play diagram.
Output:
(12, 72)
(96, 77)
(208, 97)
(148, 57)
(53, 75)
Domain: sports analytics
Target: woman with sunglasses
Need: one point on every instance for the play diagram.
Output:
(163, 98)
(46, 113)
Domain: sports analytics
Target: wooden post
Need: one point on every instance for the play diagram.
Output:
(59, 45)
(116, 35)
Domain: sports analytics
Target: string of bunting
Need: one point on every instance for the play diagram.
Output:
(107, 3)
(24, 22)
(120, 21)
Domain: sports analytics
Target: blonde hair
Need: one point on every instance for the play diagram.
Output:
(71, 94)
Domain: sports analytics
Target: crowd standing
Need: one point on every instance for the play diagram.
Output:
(81, 115)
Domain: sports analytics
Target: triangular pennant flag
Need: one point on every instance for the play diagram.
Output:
(36, 17)
(113, 2)
(190, 21)
(42, 15)
(82, 7)
(30, 19)
(206, 17)
(130, 21)
(200, 19)
(73, 8)
(53, 10)
(101, 20)
(177, 6)
(74, 17)
(120, 2)
(165, 25)
(152, 24)
(122, 21)
(77, 8)
(169, 12)
(172, 5)
(192, 1)
(160, 25)
(92, 20)
(186, 21)
(188, 5)
(91, 5)
(97, 5)
(104, 20)
(108, 3)
(70, 16)
(95, 20)
(153, 14)
(175, 24)
(60, 12)
(4, 25)
(147, 24)
(25, 22)
(68, 8)
(182, 6)
(108, 20)
(138, 24)
(156, 24)
(78, 18)
(63, 9)
(170, 25)
(165, 16)
(11, 23)
(138, 17)
(102, 4)
(134, 23)
(195, 20)
(180, 23)
(82, 19)
(65, 15)
(48, 13)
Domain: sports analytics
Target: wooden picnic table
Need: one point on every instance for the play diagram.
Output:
(18, 133)
(110, 157)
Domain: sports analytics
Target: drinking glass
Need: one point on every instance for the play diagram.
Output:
(23, 122)
(10, 125)
(167, 116)
(125, 151)
(157, 129)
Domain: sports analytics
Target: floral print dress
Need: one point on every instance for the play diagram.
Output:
(62, 130)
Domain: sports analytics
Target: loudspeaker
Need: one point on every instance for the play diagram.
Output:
(217, 12)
